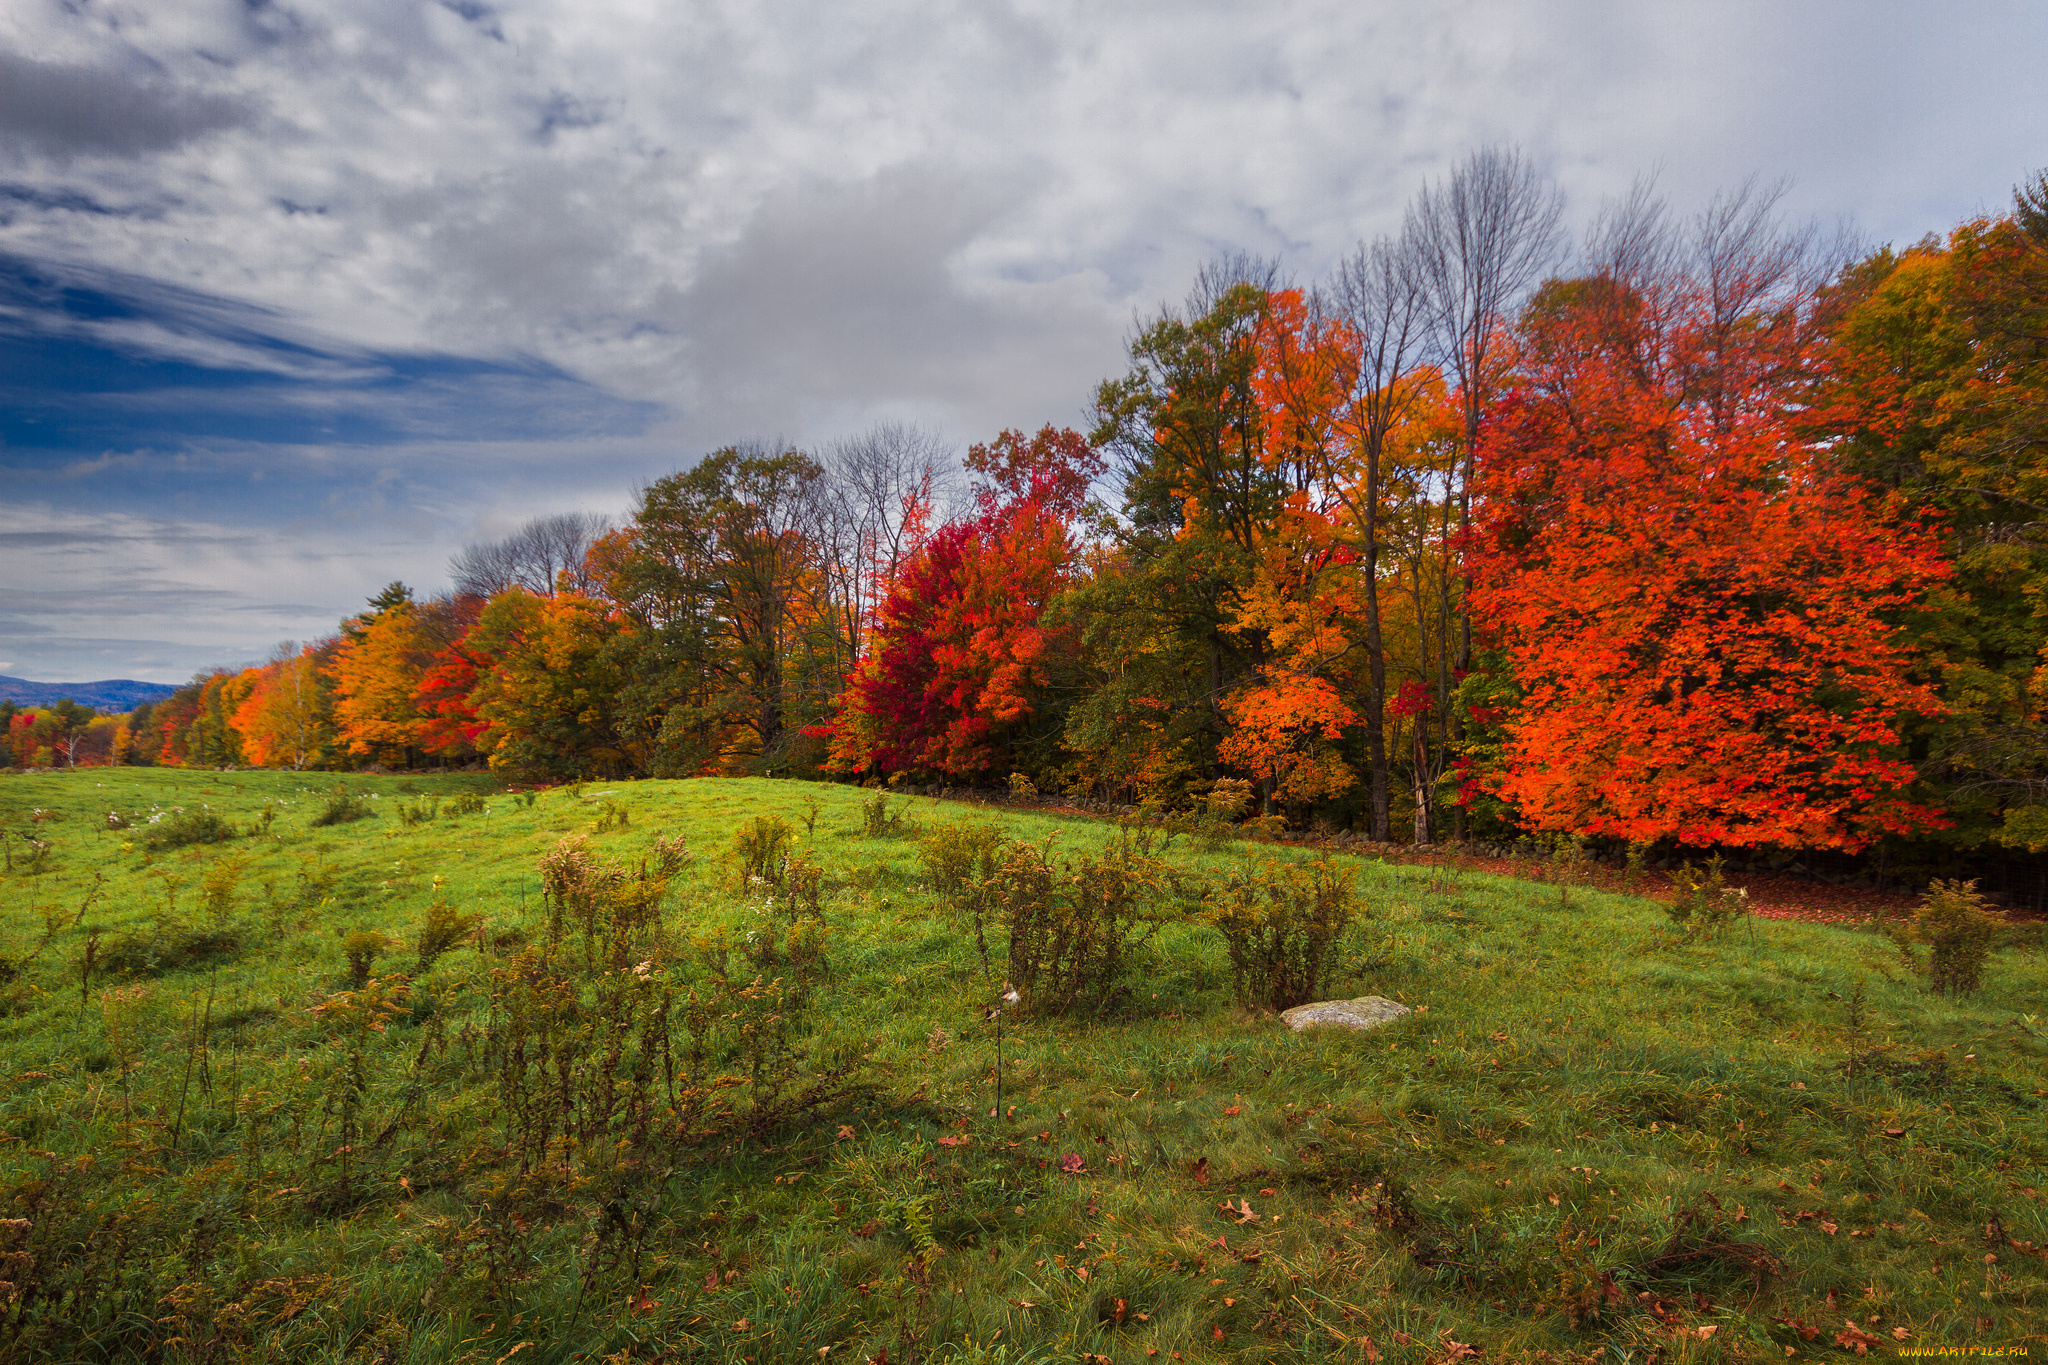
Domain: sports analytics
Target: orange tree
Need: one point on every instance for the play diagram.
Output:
(1698, 604)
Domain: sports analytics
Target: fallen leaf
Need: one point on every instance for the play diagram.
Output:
(846, 1130)
(1072, 1164)
(954, 1141)
(1233, 1111)
(1856, 1338)
(1829, 1226)
(1202, 1171)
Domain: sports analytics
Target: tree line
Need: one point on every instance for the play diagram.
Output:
(1714, 533)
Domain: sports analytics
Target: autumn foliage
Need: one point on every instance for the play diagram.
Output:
(1700, 606)
(1711, 541)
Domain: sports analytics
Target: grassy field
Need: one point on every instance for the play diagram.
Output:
(363, 1092)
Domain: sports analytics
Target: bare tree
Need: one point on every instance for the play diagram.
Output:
(536, 557)
(884, 488)
(1379, 297)
(1483, 238)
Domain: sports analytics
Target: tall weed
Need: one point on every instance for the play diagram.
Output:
(1282, 922)
(1960, 930)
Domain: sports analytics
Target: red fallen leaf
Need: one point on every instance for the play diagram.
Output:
(1402, 1339)
(954, 1141)
(711, 1280)
(1045, 1137)
(1072, 1164)
(1372, 1352)
(1610, 1292)
(846, 1130)
(1267, 1194)
(1829, 1226)
(1242, 1213)
(1900, 1334)
(1457, 1350)
(1233, 1111)
(1202, 1171)
(1856, 1338)
(1806, 1331)
(1894, 1132)
(1216, 1332)
(640, 1305)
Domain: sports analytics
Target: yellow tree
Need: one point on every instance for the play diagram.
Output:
(280, 721)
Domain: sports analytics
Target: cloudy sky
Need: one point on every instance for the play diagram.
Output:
(298, 296)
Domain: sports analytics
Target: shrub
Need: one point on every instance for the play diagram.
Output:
(955, 855)
(1073, 927)
(1282, 922)
(343, 807)
(1701, 903)
(467, 803)
(665, 857)
(418, 812)
(610, 815)
(758, 846)
(876, 821)
(609, 903)
(183, 827)
(443, 928)
(217, 888)
(362, 949)
(1960, 929)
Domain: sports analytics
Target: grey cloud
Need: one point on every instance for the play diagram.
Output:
(838, 295)
(65, 110)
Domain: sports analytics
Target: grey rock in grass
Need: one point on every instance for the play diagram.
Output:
(1368, 1011)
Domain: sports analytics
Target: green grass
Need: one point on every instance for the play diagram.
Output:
(1592, 1138)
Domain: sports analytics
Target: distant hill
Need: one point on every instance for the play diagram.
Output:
(111, 694)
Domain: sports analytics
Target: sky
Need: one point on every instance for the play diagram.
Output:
(298, 297)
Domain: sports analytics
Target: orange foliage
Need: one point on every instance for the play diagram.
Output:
(1695, 601)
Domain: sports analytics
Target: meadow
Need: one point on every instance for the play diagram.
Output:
(425, 1083)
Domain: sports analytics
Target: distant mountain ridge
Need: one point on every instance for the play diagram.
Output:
(109, 694)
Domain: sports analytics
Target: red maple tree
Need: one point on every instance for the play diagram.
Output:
(1698, 604)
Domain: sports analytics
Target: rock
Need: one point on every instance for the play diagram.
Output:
(1368, 1011)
